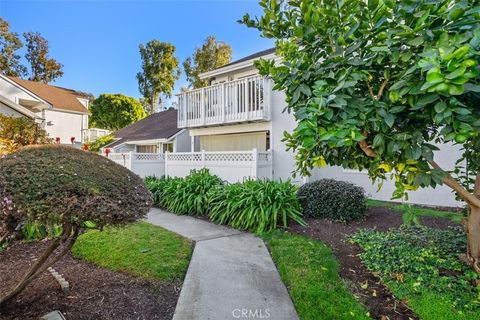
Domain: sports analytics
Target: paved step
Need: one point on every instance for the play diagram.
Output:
(231, 274)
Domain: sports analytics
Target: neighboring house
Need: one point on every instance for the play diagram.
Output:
(239, 111)
(157, 133)
(63, 112)
(143, 146)
(12, 109)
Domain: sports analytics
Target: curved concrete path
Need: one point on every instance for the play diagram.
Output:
(231, 274)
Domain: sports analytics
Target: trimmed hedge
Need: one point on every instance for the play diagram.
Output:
(255, 205)
(333, 200)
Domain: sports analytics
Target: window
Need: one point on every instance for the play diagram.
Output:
(147, 149)
(167, 147)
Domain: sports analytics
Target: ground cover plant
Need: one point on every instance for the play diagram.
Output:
(255, 205)
(421, 265)
(453, 214)
(381, 86)
(139, 249)
(332, 199)
(310, 271)
(61, 186)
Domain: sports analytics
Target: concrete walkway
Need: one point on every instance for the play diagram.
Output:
(231, 274)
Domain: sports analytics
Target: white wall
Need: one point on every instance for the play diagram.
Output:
(13, 92)
(182, 142)
(65, 125)
(6, 110)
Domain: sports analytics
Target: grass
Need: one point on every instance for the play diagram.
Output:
(139, 249)
(421, 211)
(310, 271)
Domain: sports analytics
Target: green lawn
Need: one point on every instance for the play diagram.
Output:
(310, 271)
(140, 249)
(421, 211)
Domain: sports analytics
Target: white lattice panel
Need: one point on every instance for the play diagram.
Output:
(148, 157)
(264, 156)
(184, 157)
(229, 157)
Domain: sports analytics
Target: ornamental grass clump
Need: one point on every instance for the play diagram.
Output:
(187, 195)
(333, 200)
(65, 188)
(255, 205)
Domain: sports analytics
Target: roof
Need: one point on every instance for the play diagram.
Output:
(20, 109)
(161, 125)
(252, 56)
(59, 98)
(238, 64)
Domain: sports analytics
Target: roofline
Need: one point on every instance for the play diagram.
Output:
(45, 102)
(19, 108)
(69, 111)
(173, 136)
(235, 66)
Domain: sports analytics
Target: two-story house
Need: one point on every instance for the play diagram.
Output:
(62, 112)
(239, 111)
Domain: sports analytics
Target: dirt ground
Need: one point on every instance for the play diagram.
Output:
(377, 297)
(95, 293)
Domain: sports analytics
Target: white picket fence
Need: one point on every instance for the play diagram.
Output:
(231, 166)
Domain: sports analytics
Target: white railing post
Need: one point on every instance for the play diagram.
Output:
(254, 162)
(167, 154)
(223, 101)
(203, 161)
(202, 106)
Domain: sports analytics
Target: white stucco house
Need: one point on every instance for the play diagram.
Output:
(236, 124)
(62, 112)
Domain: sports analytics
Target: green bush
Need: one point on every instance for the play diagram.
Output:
(101, 142)
(184, 196)
(333, 200)
(421, 265)
(255, 205)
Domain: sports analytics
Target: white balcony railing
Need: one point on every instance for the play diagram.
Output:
(235, 101)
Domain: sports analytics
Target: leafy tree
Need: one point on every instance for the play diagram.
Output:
(115, 111)
(16, 132)
(43, 68)
(211, 55)
(159, 72)
(67, 188)
(9, 58)
(101, 142)
(382, 85)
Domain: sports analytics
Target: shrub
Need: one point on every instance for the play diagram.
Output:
(421, 265)
(255, 205)
(185, 196)
(100, 143)
(333, 200)
(16, 132)
(65, 187)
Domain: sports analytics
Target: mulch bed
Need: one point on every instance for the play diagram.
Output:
(95, 293)
(376, 297)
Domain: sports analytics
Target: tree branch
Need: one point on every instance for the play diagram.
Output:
(382, 87)
(452, 183)
(366, 148)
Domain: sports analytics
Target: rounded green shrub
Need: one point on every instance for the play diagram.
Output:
(333, 200)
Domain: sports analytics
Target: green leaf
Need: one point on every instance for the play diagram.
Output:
(416, 41)
(389, 119)
(378, 140)
(440, 106)
(427, 99)
(457, 73)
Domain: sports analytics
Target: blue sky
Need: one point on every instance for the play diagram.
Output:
(97, 41)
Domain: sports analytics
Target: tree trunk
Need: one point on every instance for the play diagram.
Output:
(473, 237)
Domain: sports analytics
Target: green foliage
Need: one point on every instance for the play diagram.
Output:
(410, 216)
(10, 43)
(140, 249)
(255, 205)
(211, 55)
(43, 68)
(252, 205)
(421, 265)
(96, 145)
(159, 72)
(37, 231)
(115, 111)
(331, 199)
(187, 195)
(16, 132)
(310, 271)
(455, 216)
(375, 84)
(62, 185)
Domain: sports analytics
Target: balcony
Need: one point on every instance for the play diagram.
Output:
(243, 100)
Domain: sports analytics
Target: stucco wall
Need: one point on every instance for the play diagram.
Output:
(182, 142)
(6, 110)
(65, 125)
